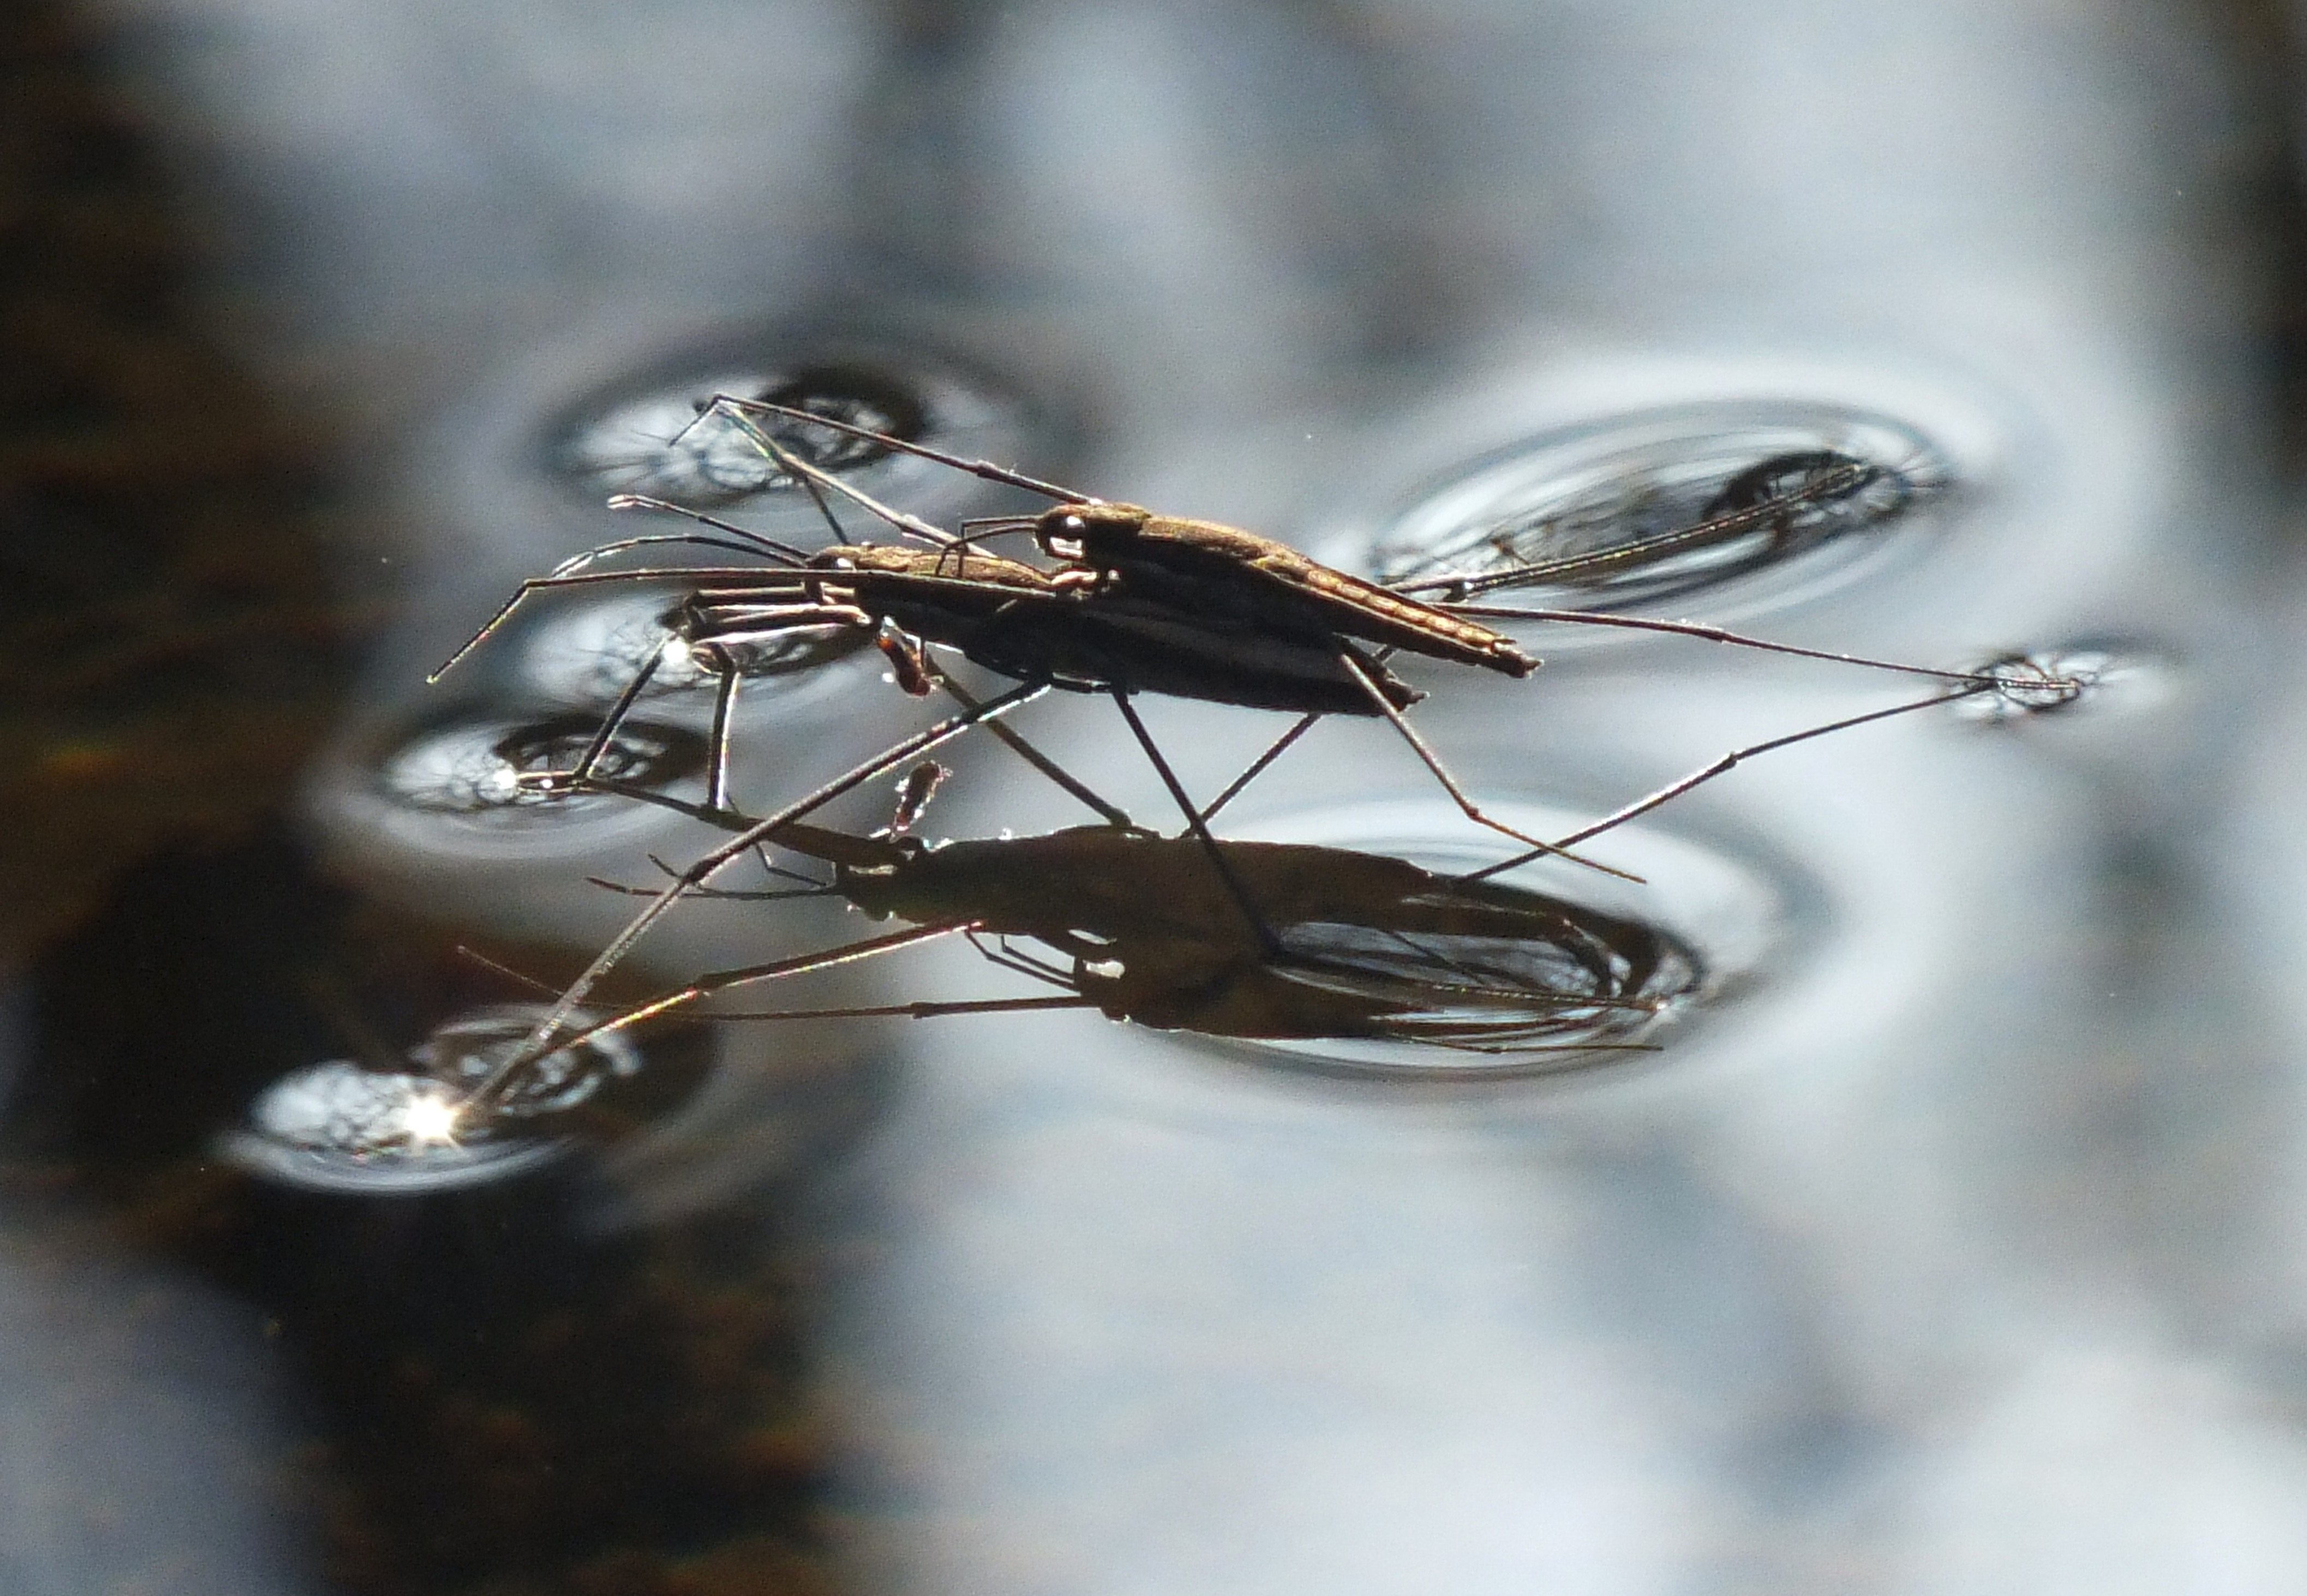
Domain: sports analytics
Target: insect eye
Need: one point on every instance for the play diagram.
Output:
(1073, 526)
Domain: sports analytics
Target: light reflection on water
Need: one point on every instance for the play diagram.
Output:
(338, 1127)
(484, 769)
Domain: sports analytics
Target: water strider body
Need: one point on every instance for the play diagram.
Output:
(1034, 625)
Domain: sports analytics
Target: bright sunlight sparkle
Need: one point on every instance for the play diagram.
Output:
(430, 1120)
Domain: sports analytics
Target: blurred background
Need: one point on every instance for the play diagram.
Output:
(1957, 1240)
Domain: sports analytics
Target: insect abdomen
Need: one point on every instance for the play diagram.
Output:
(1304, 590)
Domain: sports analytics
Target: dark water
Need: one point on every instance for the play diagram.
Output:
(1936, 1230)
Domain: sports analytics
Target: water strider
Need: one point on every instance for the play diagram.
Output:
(1141, 602)
(1137, 602)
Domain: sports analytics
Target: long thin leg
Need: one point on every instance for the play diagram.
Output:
(540, 1039)
(801, 471)
(986, 469)
(705, 986)
(475, 956)
(717, 746)
(1492, 1049)
(740, 541)
(1258, 767)
(1011, 526)
(1723, 767)
(727, 820)
(667, 507)
(1432, 761)
(817, 497)
(1234, 885)
(1006, 957)
(583, 769)
(721, 895)
(1280, 746)
(1016, 741)
(1716, 634)
(925, 1010)
(712, 573)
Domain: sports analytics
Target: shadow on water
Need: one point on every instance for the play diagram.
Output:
(1251, 940)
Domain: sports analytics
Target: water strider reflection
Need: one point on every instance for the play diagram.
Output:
(1378, 968)
(1247, 941)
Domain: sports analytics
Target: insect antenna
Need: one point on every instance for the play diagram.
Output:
(986, 469)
